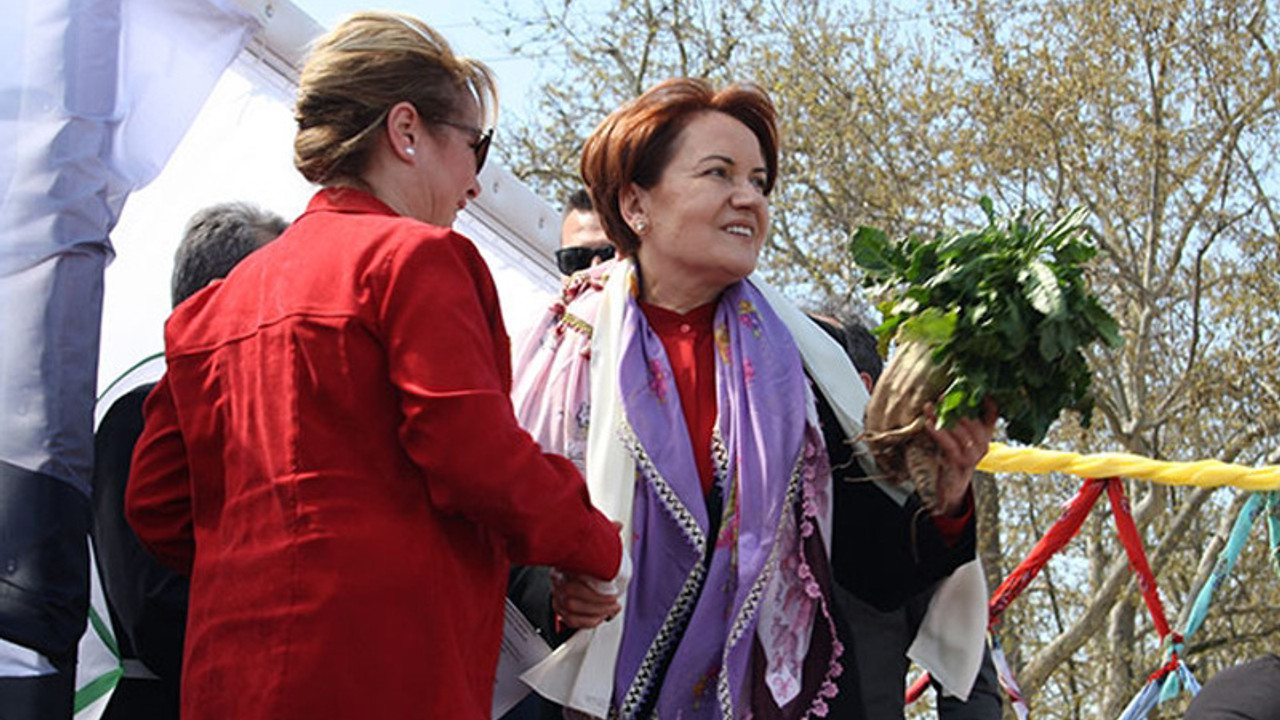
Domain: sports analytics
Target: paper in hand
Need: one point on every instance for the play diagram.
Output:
(522, 648)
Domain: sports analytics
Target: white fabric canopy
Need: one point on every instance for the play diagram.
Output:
(94, 96)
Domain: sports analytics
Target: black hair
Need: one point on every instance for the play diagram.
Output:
(579, 200)
(858, 343)
(861, 346)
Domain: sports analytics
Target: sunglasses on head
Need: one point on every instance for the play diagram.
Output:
(480, 145)
(572, 259)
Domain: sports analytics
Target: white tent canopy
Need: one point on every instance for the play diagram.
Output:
(96, 97)
(240, 148)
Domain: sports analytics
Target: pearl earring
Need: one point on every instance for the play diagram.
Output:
(641, 226)
(410, 151)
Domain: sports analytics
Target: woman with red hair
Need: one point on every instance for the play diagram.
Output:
(678, 382)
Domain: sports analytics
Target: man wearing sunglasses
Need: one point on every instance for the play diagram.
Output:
(582, 239)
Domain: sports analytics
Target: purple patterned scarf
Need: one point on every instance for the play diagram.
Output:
(724, 627)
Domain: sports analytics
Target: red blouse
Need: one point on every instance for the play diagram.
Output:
(689, 342)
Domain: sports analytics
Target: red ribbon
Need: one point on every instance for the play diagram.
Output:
(1137, 556)
(1064, 528)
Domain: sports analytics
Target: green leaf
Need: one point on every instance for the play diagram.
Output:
(1050, 345)
(1102, 321)
(1074, 252)
(932, 327)
(988, 207)
(907, 306)
(1006, 309)
(959, 246)
(1066, 227)
(872, 251)
(1041, 288)
(951, 405)
(1011, 326)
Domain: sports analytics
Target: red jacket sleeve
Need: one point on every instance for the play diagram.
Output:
(158, 496)
(449, 358)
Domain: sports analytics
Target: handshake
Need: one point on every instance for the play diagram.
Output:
(583, 601)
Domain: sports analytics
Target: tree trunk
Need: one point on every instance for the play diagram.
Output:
(987, 508)
(1117, 690)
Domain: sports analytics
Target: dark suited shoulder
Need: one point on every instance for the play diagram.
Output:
(881, 551)
(147, 600)
(1248, 691)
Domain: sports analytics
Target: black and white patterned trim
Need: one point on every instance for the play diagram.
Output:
(751, 604)
(684, 519)
(719, 459)
(653, 667)
(640, 694)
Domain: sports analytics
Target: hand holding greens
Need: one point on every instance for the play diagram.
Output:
(1002, 312)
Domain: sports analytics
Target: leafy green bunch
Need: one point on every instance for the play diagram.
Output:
(1006, 309)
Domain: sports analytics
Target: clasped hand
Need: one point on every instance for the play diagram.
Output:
(579, 600)
(584, 601)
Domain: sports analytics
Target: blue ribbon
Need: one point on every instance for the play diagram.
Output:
(1158, 691)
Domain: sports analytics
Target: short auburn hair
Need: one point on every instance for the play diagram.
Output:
(363, 67)
(636, 142)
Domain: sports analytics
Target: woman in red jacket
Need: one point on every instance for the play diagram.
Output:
(332, 456)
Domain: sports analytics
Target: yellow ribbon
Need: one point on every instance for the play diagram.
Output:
(1201, 473)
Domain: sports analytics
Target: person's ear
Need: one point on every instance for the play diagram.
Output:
(404, 130)
(866, 380)
(634, 203)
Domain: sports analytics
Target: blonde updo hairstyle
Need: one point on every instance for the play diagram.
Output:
(358, 71)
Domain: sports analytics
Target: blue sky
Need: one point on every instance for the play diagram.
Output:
(473, 28)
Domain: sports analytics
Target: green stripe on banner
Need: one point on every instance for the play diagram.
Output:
(104, 632)
(95, 689)
(101, 685)
(133, 367)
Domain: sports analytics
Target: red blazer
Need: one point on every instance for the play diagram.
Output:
(333, 459)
